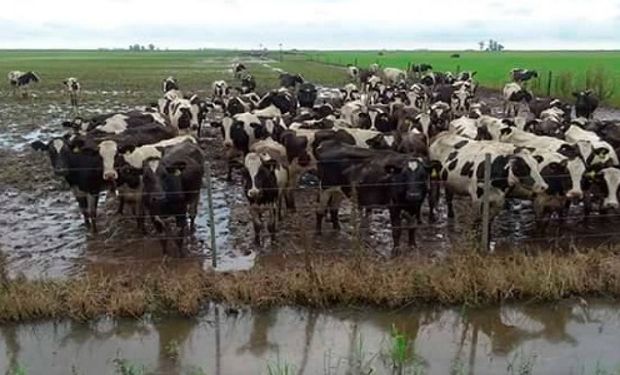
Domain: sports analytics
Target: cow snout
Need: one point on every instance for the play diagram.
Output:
(110, 176)
(574, 194)
(611, 204)
(540, 188)
(253, 193)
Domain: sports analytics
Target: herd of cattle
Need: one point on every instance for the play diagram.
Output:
(388, 139)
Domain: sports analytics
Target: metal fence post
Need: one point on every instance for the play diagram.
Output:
(211, 217)
(485, 202)
(549, 79)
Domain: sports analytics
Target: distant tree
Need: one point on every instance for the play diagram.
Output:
(151, 47)
(481, 44)
(136, 47)
(142, 48)
(500, 47)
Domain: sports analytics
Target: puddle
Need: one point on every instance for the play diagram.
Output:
(552, 339)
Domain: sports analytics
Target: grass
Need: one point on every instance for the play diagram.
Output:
(462, 278)
(493, 68)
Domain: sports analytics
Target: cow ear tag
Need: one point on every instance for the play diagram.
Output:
(177, 172)
(434, 173)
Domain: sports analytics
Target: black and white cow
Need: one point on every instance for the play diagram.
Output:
(115, 123)
(172, 189)
(248, 82)
(602, 187)
(290, 81)
(266, 184)
(520, 75)
(168, 84)
(462, 161)
(519, 138)
(123, 166)
(586, 103)
(73, 88)
(242, 103)
(350, 92)
(81, 169)
(378, 179)
(238, 69)
(393, 75)
(514, 94)
(282, 99)
(241, 131)
(220, 89)
(306, 95)
(22, 80)
(594, 150)
(353, 72)
(461, 101)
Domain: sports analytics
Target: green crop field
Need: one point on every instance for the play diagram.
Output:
(143, 71)
(570, 69)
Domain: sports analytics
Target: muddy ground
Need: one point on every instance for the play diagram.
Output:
(41, 232)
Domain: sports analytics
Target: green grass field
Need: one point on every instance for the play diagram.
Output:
(493, 68)
(143, 71)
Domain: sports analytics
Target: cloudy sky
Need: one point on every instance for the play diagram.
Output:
(311, 24)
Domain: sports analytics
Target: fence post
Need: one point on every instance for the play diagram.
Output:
(549, 78)
(458, 69)
(355, 63)
(485, 202)
(211, 217)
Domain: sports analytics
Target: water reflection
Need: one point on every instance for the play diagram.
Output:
(563, 338)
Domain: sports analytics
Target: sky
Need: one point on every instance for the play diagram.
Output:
(311, 24)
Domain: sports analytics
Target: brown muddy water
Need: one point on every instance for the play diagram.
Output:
(41, 233)
(564, 338)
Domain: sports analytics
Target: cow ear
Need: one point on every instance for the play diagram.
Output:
(67, 124)
(125, 149)
(39, 146)
(505, 131)
(393, 168)
(538, 158)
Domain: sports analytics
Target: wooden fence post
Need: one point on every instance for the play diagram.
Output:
(211, 217)
(485, 202)
(549, 79)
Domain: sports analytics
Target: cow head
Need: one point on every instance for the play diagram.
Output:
(169, 83)
(523, 170)
(58, 151)
(181, 114)
(163, 187)
(440, 116)
(461, 101)
(259, 175)
(408, 178)
(307, 95)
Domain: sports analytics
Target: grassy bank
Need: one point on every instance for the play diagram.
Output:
(470, 279)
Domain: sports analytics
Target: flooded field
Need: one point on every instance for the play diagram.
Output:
(566, 338)
(42, 234)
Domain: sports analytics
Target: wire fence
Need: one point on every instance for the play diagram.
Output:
(226, 207)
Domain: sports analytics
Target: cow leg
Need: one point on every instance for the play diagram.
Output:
(334, 205)
(92, 200)
(256, 222)
(121, 204)
(412, 222)
(181, 221)
(229, 175)
(271, 225)
(395, 221)
(193, 212)
(449, 198)
(140, 215)
(433, 198)
(324, 198)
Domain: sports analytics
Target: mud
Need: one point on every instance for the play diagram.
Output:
(564, 338)
(41, 232)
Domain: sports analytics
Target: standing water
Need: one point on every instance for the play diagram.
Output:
(565, 338)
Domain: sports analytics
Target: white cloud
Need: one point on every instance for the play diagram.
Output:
(310, 24)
